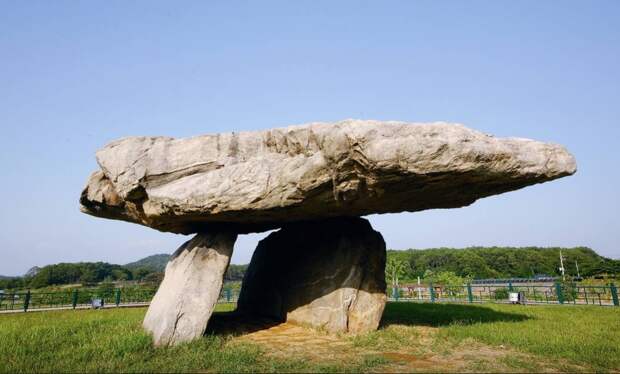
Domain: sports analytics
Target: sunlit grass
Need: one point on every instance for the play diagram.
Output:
(113, 341)
(587, 335)
(584, 335)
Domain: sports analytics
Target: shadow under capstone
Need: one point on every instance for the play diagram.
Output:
(435, 315)
(236, 324)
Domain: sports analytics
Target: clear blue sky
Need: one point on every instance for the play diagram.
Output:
(76, 75)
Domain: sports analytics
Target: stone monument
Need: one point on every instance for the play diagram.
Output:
(324, 267)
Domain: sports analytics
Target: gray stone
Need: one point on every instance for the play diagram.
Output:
(325, 267)
(327, 274)
(254, 181)
(183, 304)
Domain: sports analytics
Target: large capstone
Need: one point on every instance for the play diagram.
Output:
(254, 181)
(185, 300)
(327, 274)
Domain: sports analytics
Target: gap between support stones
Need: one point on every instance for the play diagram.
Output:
(329, 274)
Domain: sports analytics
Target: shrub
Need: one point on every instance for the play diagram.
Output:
(501, 293)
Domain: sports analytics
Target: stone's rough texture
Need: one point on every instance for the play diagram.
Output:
(184, 302)
(327, 274)
(254, 181)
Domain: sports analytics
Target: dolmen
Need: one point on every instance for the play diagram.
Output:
(324, 266)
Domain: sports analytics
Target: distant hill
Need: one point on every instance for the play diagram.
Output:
(476, 262)
(32, 271)
(156, 263)
(506, 262)
(149, 269)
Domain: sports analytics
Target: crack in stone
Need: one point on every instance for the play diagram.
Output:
(180, 315)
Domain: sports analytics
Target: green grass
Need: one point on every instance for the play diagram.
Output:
(583, 335)
(113, 340)
(587, 335)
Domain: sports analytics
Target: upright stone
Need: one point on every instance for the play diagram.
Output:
(191, 287)
(327, 274)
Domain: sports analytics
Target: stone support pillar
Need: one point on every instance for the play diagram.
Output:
(185, 300)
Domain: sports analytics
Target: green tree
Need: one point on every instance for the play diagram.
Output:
(140, 273)
(235, 272)
(88, 277)
(121, 274)
(395, 269)
(449, 281)
(155, 278)
(507, 262)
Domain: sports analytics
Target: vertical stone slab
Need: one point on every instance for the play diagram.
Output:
(185, 300)
(327, 274)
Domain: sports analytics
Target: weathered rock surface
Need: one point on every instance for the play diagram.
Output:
(192, 284)
(257, 180)
(327, 274)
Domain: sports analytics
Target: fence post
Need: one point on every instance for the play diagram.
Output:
(432, 291)
(74, 298)
(27, 301)
(614, 294)
(510, 286)
(117, 296)
(470, 296)
(558, 291)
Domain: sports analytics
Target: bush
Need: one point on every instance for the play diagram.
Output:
(501, 293)
(569, 290)
(450, 282)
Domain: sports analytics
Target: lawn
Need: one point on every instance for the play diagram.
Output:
(413, 337)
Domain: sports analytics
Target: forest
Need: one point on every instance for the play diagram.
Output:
(472, 263)
(89, 273)
(505, 262)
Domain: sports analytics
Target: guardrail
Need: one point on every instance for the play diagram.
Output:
(79, 298)
(554, 293)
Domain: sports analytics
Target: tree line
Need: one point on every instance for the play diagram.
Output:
(90, 273)
(505, 262)
(471, 263)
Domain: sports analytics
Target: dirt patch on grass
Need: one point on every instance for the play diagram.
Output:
(394, 348)
(290, 340)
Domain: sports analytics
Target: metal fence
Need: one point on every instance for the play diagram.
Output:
(80, 298)
(552, 293)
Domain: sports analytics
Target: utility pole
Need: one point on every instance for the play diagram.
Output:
(419, 289)
(577, 266)
(562, 266)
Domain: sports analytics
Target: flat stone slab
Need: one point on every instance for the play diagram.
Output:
(255, 181)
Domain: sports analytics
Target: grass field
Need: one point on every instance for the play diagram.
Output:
(413, 337)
